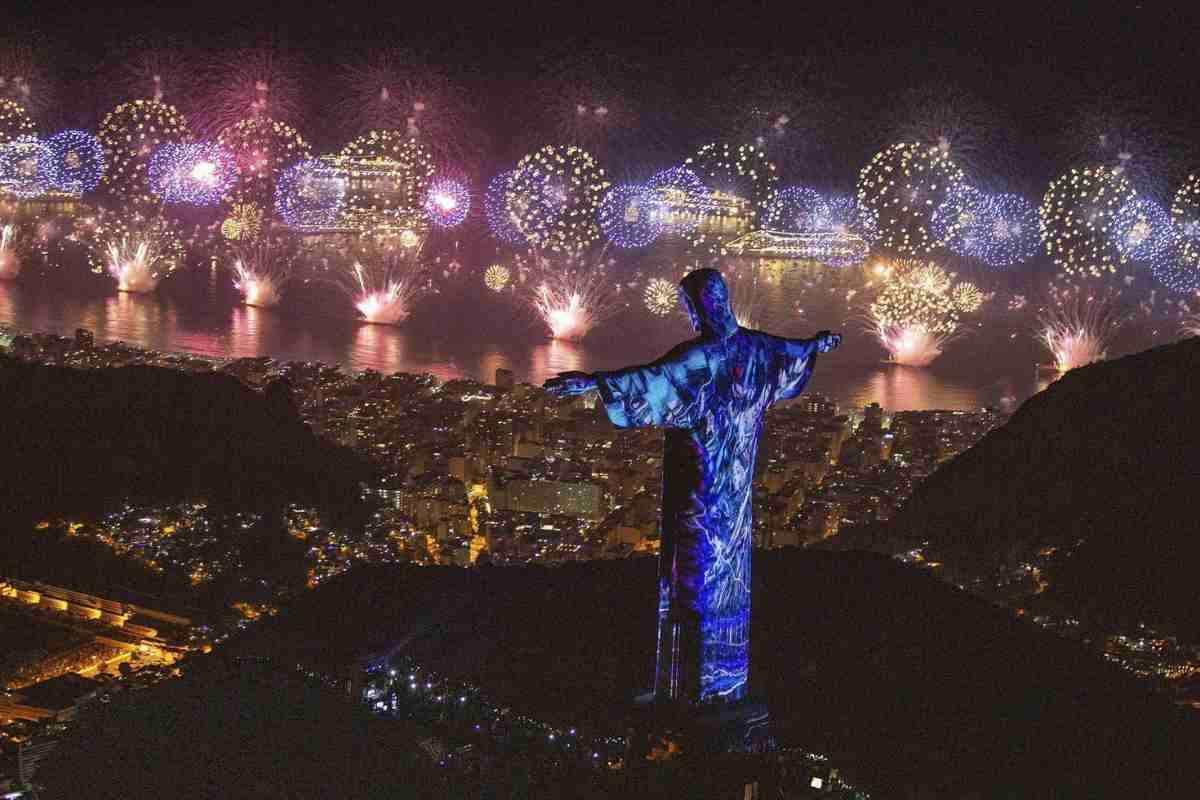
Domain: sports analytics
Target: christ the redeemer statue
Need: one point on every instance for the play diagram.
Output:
(710, 393)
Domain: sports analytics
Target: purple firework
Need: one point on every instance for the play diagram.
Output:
(626, 215)
(447, 202)
(195, 173)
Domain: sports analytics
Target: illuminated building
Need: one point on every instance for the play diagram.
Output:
(553, 497)
(709, 212)
(393, 207)
(836, 249)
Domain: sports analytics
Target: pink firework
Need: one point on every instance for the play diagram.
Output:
(258, 82)
(10, 263)
(400, 90)
(262, 267)
(447, 202)
(383, 281)
(572, 299)
(1078, 325)
(915, 345)
(152, 68)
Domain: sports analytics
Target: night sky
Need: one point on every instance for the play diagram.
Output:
(1031, 80)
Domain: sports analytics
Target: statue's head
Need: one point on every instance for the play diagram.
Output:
(706, 299)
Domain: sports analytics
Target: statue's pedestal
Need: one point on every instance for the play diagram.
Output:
(740, 728)
(717, 751)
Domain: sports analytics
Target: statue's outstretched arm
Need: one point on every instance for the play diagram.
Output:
(795, 361)
(667, 392)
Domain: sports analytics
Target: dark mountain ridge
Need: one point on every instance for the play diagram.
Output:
(884, 667)
(78, 439)
(1102, 467)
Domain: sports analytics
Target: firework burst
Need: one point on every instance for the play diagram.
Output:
(388, 173)
(1007, 231)
(572, 295)
(256, 83)
(846, 216)
(677, 188)
(956, 222)
(626, 215)
(401, 90)
(262, 148)
(495, 207)
(797, 209)
(741, 182)
(1077, 325)
(10, 258)
(496, 277)
(447, 202)
(1177, 267)
(660, 296)
(310, 194)
(382, 280)
(262, 267)
(1142, 230)
(79, 161)
(27, 167)
(136, 249)
(245, 221)
(1185, 213)
(1078, 216)
(130, 134)
(553, 196)
(193, 173)
(918, 312)
(14, 122)
(901, 188)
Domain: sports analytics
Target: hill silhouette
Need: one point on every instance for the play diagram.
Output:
(1102, 466)
(78, 439)
(235, 736)
(902, 677)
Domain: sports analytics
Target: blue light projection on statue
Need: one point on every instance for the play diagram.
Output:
(710, 393)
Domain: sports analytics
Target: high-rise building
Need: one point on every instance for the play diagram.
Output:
(820, 406)
(577, 499)
(504, 379)
(872, 419)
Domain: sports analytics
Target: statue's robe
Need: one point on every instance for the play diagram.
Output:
(710, 394)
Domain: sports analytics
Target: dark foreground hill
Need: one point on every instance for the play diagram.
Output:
(76, 440)
(1103, 465)
(909, 679)
(235, 736)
